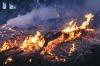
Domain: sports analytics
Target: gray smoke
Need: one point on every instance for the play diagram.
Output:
(36, 17)
(67, 10)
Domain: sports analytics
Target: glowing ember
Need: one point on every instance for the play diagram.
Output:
(7, 27)
(30, 60)
(55, 58)
(72, 49)
(11, 29)
(4, 26)
(9, 60)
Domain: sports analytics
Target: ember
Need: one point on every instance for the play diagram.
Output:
(9, 60)
(30, 60)
(72, 49)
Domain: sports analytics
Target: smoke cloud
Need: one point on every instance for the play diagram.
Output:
(67, 9)
(36, 17)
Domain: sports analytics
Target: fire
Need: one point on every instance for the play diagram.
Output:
(9, 60)
(55, 58)
(72, 25)
(36, 42)
(73, 32)
(86, 23)
(73, 36)
(4, 26)
(11, 29)
(52, 45)
(7, 45)
(33, 42)
(72, 28)
(72, 49)
(4, 47)
(29, 44)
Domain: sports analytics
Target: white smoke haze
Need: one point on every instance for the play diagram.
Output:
(39, 17)
(34, 18)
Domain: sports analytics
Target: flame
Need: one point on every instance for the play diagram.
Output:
(33, 42)
(70, 30)
(4, 47)
(7, 45)
(29, 44)
(53, 44)
(11, 29)
(72, 27)
(72, 49)
(36, 42)
(73, 31)
(73, 36)
(3, 26)
(55, 58)
(86, 23)
(9, 60)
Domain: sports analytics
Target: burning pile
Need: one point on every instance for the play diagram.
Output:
(45, 45)
(33, 43)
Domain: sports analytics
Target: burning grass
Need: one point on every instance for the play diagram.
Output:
(54, 46)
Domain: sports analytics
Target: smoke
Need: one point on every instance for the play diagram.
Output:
(93, 5)
(67, 9)
(37, 17)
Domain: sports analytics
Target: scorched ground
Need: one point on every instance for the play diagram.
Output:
(75, 45)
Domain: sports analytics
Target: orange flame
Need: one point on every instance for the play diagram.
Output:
(72, 49)
(9, 60)
(33, 42)
(3, 26)
(7, 45)
(72, 32)
(8, 27)
(86, 23)
(11, 29)
(73, 27)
